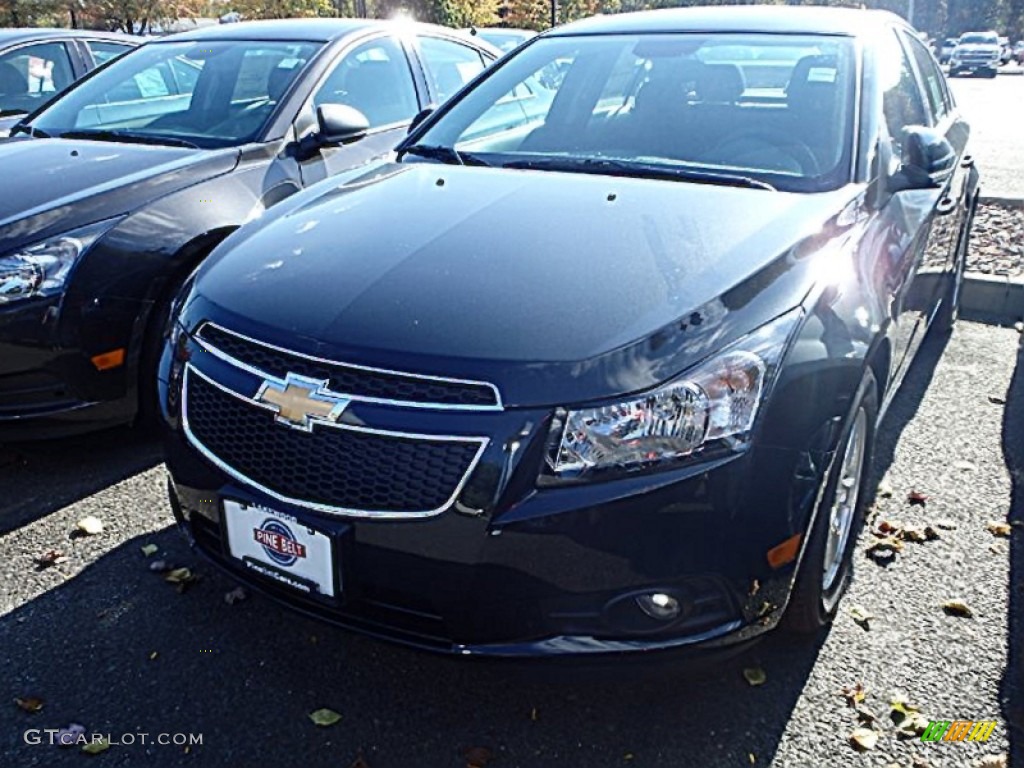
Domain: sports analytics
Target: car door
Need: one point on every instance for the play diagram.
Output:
(919, 236)
(375, 77)
(32, 73)
(448, 65)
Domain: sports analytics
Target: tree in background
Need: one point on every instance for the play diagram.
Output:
(283, 9)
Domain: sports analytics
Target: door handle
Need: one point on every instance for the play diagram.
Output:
(946, 205)
(967, 161)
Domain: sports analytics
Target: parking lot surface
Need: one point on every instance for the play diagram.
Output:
(105, 643)
(995, 109)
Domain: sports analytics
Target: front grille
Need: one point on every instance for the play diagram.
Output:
(337, 469)
(349, 380)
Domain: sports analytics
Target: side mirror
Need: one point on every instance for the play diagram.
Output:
(422, 115)
(928, 160)
(340, 124)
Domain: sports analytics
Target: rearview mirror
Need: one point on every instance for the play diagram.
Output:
(928, 160)
(340, 124)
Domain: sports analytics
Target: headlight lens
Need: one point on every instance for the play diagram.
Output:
(42, 269)
(716, 402)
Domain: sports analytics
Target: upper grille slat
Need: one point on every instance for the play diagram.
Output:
(352, 381)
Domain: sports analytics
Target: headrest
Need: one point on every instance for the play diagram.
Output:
(722, 83)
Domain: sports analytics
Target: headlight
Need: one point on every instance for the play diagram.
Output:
(714, 403)
(42, 269)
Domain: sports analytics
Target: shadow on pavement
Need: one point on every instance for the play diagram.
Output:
(1012, 688)
(39, 478)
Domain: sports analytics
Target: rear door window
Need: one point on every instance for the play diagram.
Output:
(31, 74)
(449, 65)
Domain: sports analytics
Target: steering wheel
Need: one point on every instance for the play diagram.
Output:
(767, 145)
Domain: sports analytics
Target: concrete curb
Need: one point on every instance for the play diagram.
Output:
(1007, 202)
(996, 299)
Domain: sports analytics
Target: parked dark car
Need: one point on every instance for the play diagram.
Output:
(596, 374)
(122, 185)
(36, 64)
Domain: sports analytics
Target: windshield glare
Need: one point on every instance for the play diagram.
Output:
(776, 108)
(980, 40)
(210, 94)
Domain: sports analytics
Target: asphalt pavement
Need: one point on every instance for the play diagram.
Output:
(103, 642)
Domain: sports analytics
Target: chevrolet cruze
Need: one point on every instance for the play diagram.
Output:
(585, 369)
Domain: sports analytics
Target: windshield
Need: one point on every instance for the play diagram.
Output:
(776, 109)
(979, 39)
(209, 94)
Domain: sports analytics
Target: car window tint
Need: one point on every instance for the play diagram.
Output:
(902, 104)
(449, 65)
(931, 76)
(103, 51)
(32, 74)
(375, 79)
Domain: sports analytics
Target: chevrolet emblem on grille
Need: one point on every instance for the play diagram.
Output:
(301, 402)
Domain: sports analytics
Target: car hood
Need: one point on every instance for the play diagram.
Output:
(58, 184)
(980, 48)
(553, 284)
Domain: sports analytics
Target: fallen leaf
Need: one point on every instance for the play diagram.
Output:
(957, 608)
(854, 694)
(50, 558)
(159, 566)
(479, 757)
(885, 490)
(964, 466)
(235, 595)
(886, 528)
(917, 499)
(324, 717)
(149, 549)
(95, 747)
(153, 655)
(998, 528)
(751, 757)
(29, 703)
(861, 616)
(899, 708)
(766, 608)
(914, 534)
(178, 575)
(863, 739)
(754, 588)
(755, 676)
(913, 725)
(533, 714)
(90, 525)
(992, 761)
(996, 400)
(946, 525)
(919, 762)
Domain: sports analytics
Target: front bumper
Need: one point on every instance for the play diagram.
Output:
(513, 569)
(48, 385)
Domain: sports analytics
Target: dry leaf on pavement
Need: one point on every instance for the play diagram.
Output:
(50, 558)
(235, 595)
(861, 616)
(863, 739)
(90, 525)
(999, 528)
(755, 676)
(854, 694)
(917, 499)
(324, 717)
(149, 549)
(95, 747)
(478, 757)
(29, 703)
(992, 761)
(957, 608)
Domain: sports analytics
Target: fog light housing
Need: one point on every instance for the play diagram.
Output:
(659, 605)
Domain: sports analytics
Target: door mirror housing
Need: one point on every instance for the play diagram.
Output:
(422, 115)
(928, 160)
(340, 124)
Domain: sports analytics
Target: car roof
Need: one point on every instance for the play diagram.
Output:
(308, 30)
(11, 35)
(739, 18)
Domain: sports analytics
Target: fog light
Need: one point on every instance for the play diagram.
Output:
(659, 606)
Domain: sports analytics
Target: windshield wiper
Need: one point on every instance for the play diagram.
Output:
(35, 133)
(638, 170)
(126, 136)
(448, 155)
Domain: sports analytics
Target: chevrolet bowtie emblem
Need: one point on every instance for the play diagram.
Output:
(301, 402)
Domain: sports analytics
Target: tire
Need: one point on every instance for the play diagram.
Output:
(148, 414)
(818, 589)
(949, 312)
